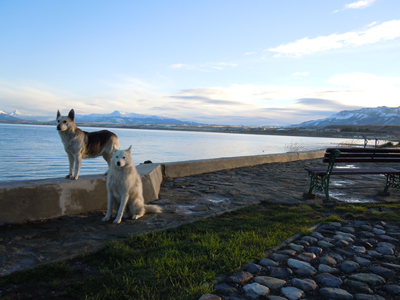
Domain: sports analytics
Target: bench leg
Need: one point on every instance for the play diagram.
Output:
(391, 181)
(320, 183)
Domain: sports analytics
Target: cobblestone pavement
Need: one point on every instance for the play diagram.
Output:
(357, 260)
(184, 200)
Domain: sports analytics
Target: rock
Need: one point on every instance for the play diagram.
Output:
(253, 268)
(315, 250)
(209, 297)
(336, 224)
(306, 256)
(358, 286)
(280, 272)
(225, 289)
(240, 278)
(295, 247)
(348, 229)
(389, 239)
(385, 244)
(276, 298)
(392, 289)
(292, 293)
(288, 252)
(358, 249)
(270, 282)
(254, 290)
(306, 285)
(328, 280)
(327, 260)
(266, 262)
(335, 293)
(362, 261)
(385, 250)
(278, 257)
(368, 278)
(309, 239)
(349, 266)
(327, 269)
(324, 244)
(367, 297)
(391, 266)
(305, 273)
(316, 235)
(298, 264)
(381, 271)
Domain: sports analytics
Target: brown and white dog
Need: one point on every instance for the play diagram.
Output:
(81, 144)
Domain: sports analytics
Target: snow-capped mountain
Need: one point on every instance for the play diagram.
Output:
(365, 116)
(7, 117)
(128, 118)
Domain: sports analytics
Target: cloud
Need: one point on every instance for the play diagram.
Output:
(299, 74)
(373, 34)
(325, 104)
(207, 67)
(357, 5)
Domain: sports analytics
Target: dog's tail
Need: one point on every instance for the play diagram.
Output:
(153, 209)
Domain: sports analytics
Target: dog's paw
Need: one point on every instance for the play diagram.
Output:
(116, 221)
(105, 219)
(73, 178)
(68, 176)
(135, 217)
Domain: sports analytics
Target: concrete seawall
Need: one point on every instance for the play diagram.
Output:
(35, 200)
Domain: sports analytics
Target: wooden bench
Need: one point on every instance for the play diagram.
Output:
(319, 177)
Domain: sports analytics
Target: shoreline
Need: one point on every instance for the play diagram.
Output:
(373, 132)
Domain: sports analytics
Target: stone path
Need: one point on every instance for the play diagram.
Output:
(346, 260)
(184, 200)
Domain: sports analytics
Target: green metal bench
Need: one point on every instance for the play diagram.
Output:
(319, 177)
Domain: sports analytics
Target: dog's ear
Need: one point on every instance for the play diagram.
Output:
(129, 149)
(58, 114)
(71, 114)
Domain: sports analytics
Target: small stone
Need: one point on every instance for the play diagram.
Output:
(276, 298)
(378, 231)
(315, 250)
(335, 293)
(327, 260)
(345, 252)
(253, 268)
(288, 252)
(385, 250)
(362, 261)
(368, 278)
(367, 234)
(295, 247)
(324, 244)
(341, 233)
(336, 256)
(305, 273)
(302, 243)
(367, 297)
(327, 269)
(225, 289)
(254, 290)
(278, 257)
(309, 239)
(344, 238)
(336, 224)
(359, 286)
(209, 297)
(266, 262)
(388, 239)
(374, 254)
(270, 282)
(281, 272)
(358, 249)
(298, 264)
(306, 256)
(391, 266)
(306, 285)
(385, 244)
(385, 273)
(292, 293)
(366, 227)
(349, 266)
(328, 280)
(240, 278)
(348, 229)
(392, 289)
(316, 235)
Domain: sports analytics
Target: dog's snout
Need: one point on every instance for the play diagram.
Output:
(118, 163)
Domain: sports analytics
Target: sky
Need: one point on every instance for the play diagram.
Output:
(253, 62)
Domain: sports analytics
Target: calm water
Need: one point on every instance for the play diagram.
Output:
(36, 152)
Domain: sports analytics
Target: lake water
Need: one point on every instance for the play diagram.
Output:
(36, 152)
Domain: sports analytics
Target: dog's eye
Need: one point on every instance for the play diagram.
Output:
(65, 121)
(116, 156)
(124, 157)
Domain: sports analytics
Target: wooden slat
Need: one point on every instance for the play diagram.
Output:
(364, 160)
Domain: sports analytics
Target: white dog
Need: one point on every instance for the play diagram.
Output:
(81, 144)
(124, 188)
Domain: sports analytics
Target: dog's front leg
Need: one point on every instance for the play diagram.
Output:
(71, 165)
(78, 162)
(109, 207)
(122, 205)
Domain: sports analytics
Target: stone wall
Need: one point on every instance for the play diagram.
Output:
(34, 200)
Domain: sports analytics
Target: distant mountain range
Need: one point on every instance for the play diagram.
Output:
(114, 117)
(365, 116)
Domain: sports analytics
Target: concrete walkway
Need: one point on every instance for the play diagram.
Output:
(184, 200)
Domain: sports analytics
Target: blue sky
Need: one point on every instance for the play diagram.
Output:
(218, 62)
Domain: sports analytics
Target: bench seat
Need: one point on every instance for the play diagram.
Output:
(319, 177)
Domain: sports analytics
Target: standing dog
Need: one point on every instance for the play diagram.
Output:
(81, 144)
(124, 188)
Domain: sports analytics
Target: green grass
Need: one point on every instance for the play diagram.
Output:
(182, 263)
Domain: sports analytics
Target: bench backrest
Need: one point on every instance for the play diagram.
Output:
(354, 155)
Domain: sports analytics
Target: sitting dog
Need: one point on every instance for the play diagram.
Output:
(81, 144)
(125, 190)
